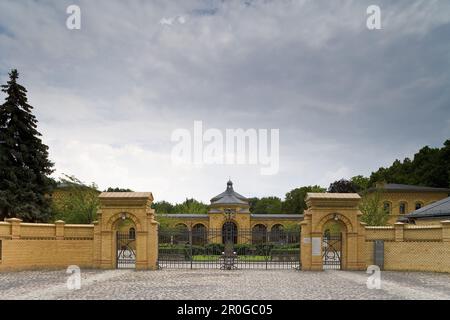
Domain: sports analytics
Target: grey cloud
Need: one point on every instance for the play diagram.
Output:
(346, 100)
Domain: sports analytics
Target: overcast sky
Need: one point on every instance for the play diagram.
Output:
(346, 99)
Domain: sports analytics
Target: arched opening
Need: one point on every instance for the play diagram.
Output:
(418, 205)
(132, 233)
(229, 232)
(402, 208)
(259, 234)
(199, 235)
(333, 244)
(387, 207)
(125, 243)
(181, 234)
(277, 233)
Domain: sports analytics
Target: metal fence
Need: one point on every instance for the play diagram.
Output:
(229, 249)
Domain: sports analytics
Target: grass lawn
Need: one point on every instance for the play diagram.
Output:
(239, 258)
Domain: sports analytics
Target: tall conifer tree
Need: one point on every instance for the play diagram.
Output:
(24, 165)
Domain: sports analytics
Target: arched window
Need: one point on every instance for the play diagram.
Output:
(229, 232)
(132, 233)
(181, 234)
(418, 205)
(402, 208)
(277, 233)
(387, 207)
(199, 234)
(259, 234)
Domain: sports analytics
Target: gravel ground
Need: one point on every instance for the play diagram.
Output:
(219, 285)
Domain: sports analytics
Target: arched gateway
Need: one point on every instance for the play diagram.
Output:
(332, 235)
(126, 234)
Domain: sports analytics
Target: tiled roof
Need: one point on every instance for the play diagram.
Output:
(229, 196)
(436, 209)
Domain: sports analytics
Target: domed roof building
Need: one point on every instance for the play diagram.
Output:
(230, 210)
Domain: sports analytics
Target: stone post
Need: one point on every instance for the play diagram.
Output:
(305, 244)
(15, 227)
(445, 230)
(97, 243)
(59, 232)
(399, 228)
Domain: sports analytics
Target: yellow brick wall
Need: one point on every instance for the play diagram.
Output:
(410, 198)
(33, 246)
(412, 248)
(35, 254)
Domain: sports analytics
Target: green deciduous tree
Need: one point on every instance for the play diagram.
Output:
(372, 209)
(429, 167)
(252, 202)
(360, 183)
(25, 184)
(268, 205)
(116, 189)
(162, 207)
(190, 206)
(77, 202)
(295, 199)
(342, 186)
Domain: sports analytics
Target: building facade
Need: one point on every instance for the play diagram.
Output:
(401, 199)
(229, 212)
(431, 214)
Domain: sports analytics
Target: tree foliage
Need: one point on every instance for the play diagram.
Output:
(190, 206)
(162, 207)
(116, 189)
(252, 202)
(268, 205)
(372, 209)
(360, 183)
(24, 165)
(187, 206)
(429, 167)
(342, 186)
(76, 202)
(295, 199)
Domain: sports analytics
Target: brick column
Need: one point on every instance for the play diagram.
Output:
(445, 230)
(59, 226)
(305, 244)
(15, 227)
(399, 228)
(97, 244)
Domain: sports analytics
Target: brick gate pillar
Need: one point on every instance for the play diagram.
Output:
(341, 208)
(134, 206)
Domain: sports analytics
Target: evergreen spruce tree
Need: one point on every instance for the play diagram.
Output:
(25, 184)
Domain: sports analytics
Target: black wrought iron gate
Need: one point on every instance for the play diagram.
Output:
(126, 250)
(332, 251)
(229, 249)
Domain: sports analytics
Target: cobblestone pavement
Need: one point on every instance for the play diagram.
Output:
(217, 284)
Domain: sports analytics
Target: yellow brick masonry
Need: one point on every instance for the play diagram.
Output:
(33, 246)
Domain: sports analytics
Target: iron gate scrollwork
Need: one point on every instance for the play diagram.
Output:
(229, 248)
(126, 250)
(332, 251)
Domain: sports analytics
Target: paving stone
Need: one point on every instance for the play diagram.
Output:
(219, 285)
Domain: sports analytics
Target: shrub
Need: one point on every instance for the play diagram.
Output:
(214, 248)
